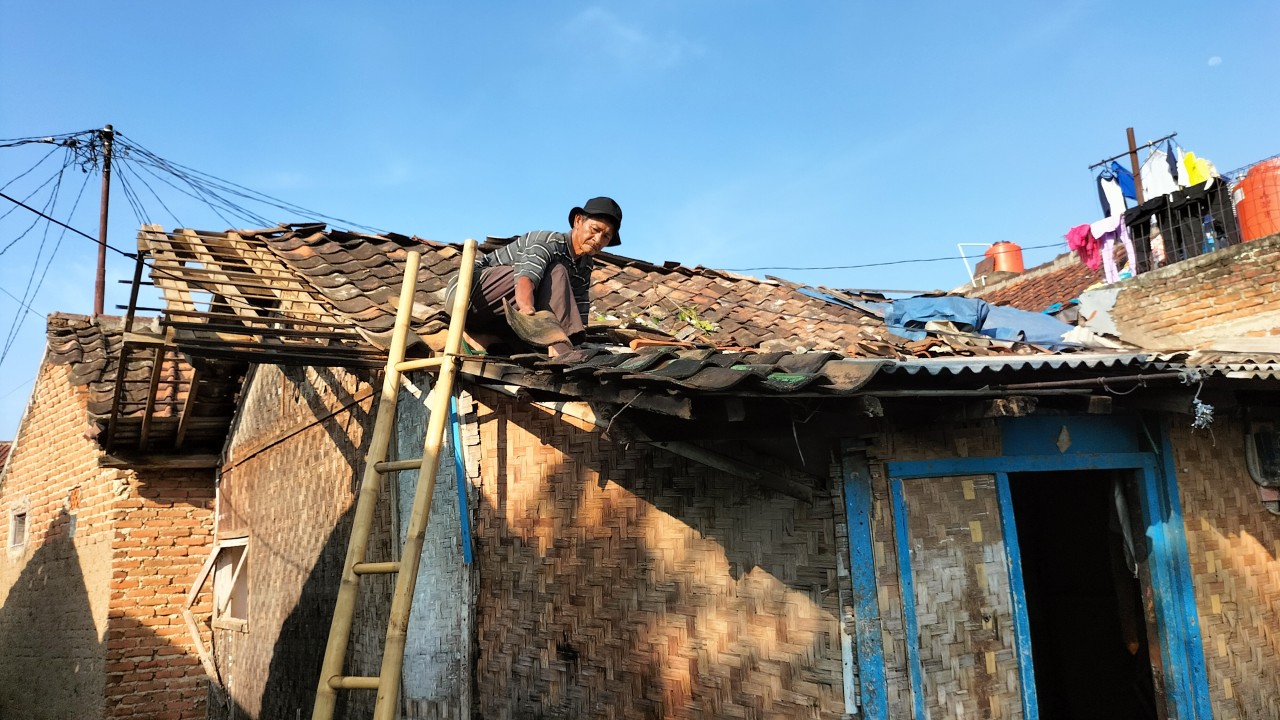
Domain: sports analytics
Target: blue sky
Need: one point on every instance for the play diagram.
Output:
(734, 134)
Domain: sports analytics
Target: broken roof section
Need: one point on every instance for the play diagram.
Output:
(302, 294)
(140, 391)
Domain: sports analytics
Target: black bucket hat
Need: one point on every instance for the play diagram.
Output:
(602, 207)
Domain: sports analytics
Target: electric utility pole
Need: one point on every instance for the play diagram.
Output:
(100, 289)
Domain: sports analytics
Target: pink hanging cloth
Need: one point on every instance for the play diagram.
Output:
(1080, 239)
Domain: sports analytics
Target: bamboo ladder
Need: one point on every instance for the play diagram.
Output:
(387, 682)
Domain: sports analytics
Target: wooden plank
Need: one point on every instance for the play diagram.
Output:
(116, 396)
(1186, 638)
(157, 366)
(335, 358)
(219, 281)
(173, 286)
(192, 398)
(858, 499)
(189, 618)
(658, 402)
(122, 366)
(242, 278)
(158, 462)
(907, 585)
(265, 331)
(1018, 463)
(287, 351)
(1018, 593)
(284, 320)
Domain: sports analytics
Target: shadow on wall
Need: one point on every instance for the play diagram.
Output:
(54, 661)
(660, 590)
(299, 651)
(616, 582)
(294, 671)
(295, 659)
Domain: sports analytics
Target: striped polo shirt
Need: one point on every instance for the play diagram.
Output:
(530, 255)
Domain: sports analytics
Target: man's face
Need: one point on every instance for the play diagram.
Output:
(590, 235)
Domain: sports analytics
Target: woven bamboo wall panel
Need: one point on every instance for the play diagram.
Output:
(1233, 543)
(889, 588)
(974, 438)
(963, 610)
(629, 583)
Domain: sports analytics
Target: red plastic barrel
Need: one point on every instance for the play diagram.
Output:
(1258, 201)
(1007, 256)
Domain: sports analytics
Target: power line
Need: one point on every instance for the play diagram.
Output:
(877, 264)
(18, 300)
(39, 187)
(59, 222)
(219, 189)
(28, 171)
(28, 293)
(154, 270)
(44, 139)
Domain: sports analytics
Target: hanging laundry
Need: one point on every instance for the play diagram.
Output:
(1184, 169)
(1106, 232)
(1177, 170)
(1081, 240)
(1157, 180)
(1110, 195)
(1155, 240)
(1198, 169)
(1125, 178)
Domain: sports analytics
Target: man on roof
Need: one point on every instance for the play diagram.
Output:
(540, 271)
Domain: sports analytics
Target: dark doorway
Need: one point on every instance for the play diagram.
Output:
(1089, 639)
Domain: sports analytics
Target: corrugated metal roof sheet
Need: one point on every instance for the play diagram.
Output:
(1073, 361)
(1239, 366)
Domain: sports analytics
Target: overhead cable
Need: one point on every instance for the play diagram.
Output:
(879, 264)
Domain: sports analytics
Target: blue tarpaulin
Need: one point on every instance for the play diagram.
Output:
(907, 317)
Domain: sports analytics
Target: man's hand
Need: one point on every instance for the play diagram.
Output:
(524, 296)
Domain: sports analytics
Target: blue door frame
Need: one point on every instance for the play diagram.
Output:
(1032, 445)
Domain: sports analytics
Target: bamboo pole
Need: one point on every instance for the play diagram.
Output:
(366, 502)
(402, 601)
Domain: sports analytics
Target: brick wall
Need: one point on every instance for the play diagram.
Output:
(90, 625)
(54, 589)
(288, 485)
(1234, 548)
(162, 534)
(1226, 294)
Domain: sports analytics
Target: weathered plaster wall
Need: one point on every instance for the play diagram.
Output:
(1234, 548)
(437, 679)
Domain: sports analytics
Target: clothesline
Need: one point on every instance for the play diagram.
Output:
(1127, 152)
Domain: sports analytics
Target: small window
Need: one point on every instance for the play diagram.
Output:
(231, 586)
(17, 528)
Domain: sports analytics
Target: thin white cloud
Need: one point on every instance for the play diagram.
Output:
(1048, 30)
(627, 43)
(395, 173)
(1215, 61)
